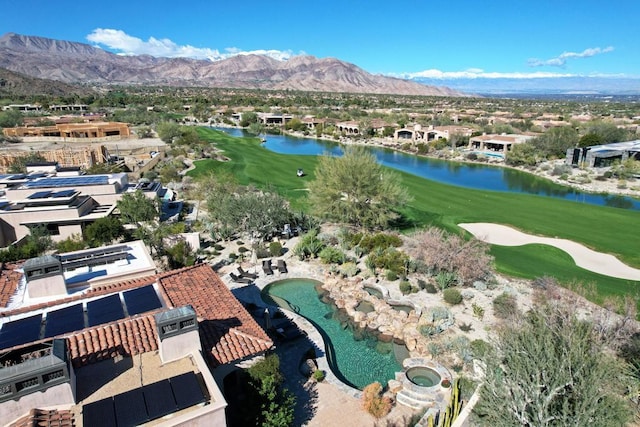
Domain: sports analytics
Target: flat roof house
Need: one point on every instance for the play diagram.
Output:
(64, 204)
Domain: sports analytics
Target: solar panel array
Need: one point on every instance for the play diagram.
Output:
(145, 404)
(20, 332)
(47, 193)
(70, 181)
(72, 318)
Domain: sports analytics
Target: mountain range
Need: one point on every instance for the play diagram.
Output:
(73, 62)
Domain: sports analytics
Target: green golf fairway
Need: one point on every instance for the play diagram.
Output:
(604, 229)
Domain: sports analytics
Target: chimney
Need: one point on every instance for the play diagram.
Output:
(177, 333)
(44, 277)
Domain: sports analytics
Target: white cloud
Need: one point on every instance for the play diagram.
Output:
(124, 44)
(561, 60)
(477, 73)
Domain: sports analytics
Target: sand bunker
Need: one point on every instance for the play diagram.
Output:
(584, 257)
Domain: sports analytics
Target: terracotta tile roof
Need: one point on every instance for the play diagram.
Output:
(45, 418)
(227, 330)
(9, 281)
(127, 337)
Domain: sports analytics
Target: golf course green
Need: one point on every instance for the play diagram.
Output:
(605, 229)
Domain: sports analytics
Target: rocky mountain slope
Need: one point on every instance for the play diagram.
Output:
(73, 62)
(16, 84)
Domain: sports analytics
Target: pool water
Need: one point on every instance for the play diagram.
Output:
(356, 357)
(423, 376)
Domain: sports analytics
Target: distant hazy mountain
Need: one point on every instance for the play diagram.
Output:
(73, 62)
(533, 86)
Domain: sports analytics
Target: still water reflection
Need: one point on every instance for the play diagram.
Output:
(481, 177)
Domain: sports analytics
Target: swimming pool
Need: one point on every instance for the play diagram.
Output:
(355, 356)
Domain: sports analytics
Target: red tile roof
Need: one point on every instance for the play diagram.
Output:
(9, 281)
(45, 418)
(126, 338)
(227, 330)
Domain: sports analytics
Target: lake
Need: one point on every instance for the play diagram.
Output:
(468, 175)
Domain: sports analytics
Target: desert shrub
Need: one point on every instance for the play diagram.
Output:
(332, 255)
(391, 275)
(472, 156)
(349, 269)
(560, 170)
(478, 311)
(318, 375)
(445, 279)
(479, 347)
(379, 240)
(469, 260)
(218, 247)
(374, 402)
(242, 250)
(434, 348)
(452, 296)
(431, 288)
(505, 306)
(428, 330)
(465, 327)
(233, 256)
(308, 246)
(405, 287)
(439, 313)
(275, 249)
(389, 259)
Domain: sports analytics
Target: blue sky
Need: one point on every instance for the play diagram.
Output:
(493, 38)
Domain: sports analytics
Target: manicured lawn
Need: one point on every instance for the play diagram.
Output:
(604, 229)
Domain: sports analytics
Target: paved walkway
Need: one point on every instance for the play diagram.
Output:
(598, 262)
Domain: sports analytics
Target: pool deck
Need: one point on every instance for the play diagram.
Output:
(327, 403)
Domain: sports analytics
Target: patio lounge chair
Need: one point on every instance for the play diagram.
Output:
(247, 274)
(239, 279)
(266, 267)
(282, 266)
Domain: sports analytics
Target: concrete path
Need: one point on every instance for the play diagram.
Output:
(598, 262)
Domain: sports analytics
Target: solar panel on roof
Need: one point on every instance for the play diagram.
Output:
(140, 300)
(65, 320)
(63, 193)
(100, 413)
(159, 398)
(39, 195)
(186, 390)
(21, 331)
(70, 181)
(130, 408)
(104, 310)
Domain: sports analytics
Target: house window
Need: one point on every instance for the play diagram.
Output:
(53, 229)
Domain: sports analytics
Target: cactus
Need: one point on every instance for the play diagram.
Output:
(454, 407)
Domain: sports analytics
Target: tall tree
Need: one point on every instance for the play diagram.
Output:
(136, 208)
(355, 189)
(551, 370)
